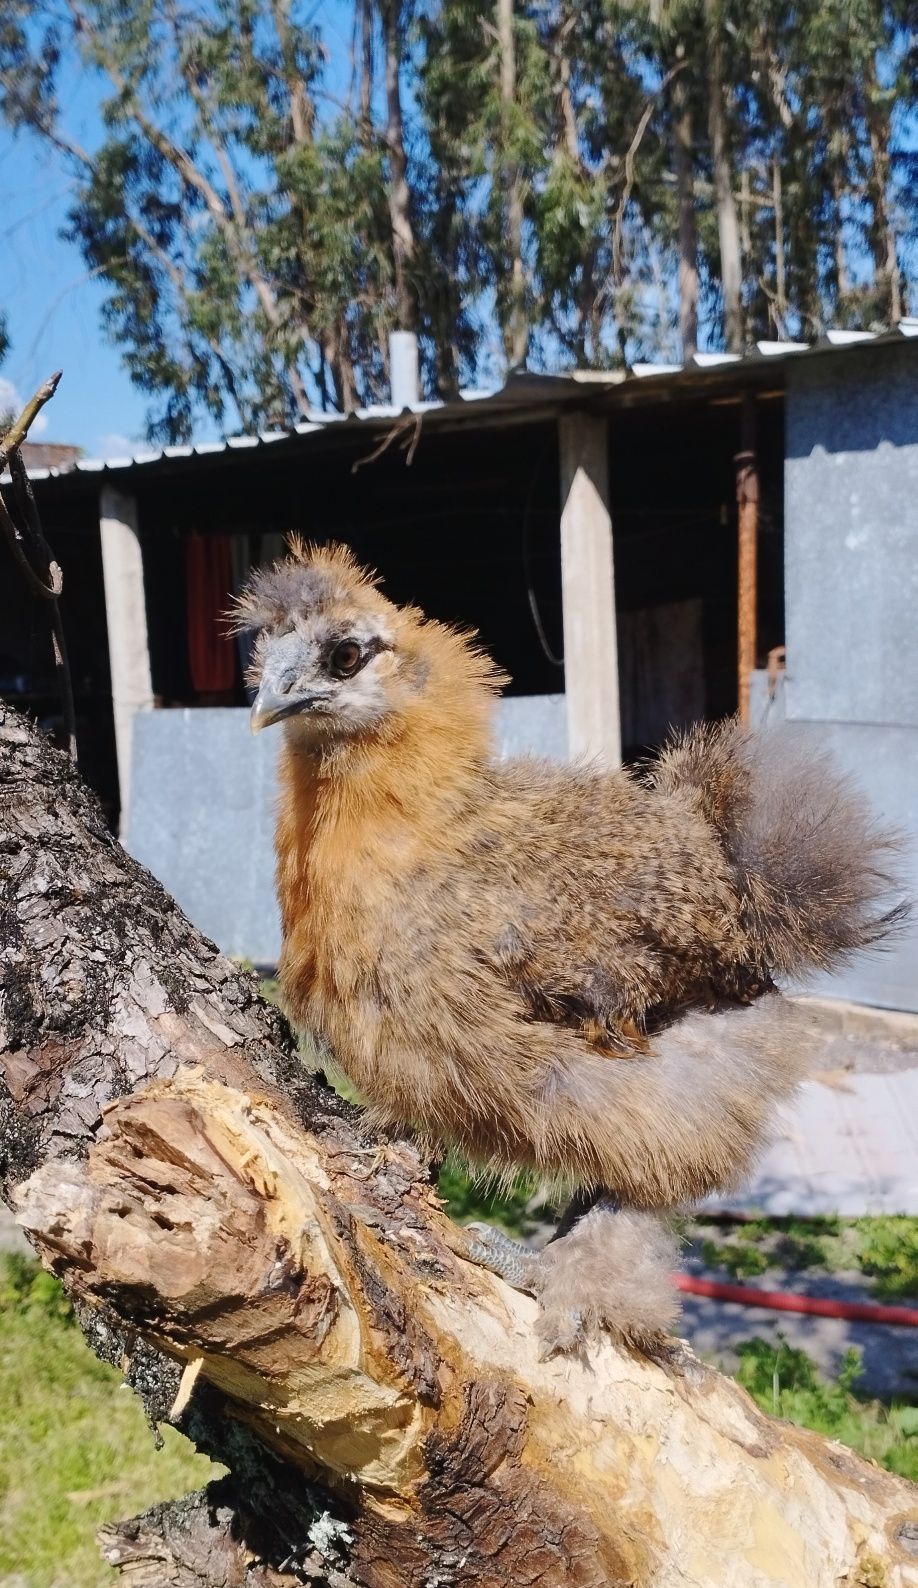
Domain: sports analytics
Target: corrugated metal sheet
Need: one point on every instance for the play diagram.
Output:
(522, 391)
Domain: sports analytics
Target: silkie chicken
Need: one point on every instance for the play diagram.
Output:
(555, 968)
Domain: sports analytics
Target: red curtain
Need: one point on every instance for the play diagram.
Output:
(208, 584)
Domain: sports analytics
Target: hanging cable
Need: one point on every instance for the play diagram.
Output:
(556, 661)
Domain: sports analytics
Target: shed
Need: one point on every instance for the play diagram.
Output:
(587, 525)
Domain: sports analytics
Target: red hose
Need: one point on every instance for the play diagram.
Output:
(783, 1301)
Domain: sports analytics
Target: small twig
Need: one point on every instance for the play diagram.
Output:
(64, 679)
(31, 551)
(34, 539)
(14, 540)
(20, 427)
(406, 430)
(633, 147)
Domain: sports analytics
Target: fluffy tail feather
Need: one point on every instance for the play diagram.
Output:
(816, 871)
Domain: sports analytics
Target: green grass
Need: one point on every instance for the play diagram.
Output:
(785, 1382)
(883, 1249)
(739, 1259)
(75, 1449)
(888, 1251)
(517, 1207)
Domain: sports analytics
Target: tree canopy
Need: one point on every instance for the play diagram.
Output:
(273, 186)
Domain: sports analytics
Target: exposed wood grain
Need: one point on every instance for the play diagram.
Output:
(379, 1401)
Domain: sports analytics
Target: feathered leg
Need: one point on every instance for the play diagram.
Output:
(606, 1268)
(612, 1271)
(515, 1262)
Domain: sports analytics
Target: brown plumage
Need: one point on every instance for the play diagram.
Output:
(544, 966)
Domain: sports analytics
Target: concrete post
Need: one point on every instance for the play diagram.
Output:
(588, 592)
(126, 616)
(404, 377)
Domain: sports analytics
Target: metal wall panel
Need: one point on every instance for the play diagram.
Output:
(851, 592)
(851, 538)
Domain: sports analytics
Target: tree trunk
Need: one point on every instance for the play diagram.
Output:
(336, 353)
(516, 326)
(780, 303)
(882, 232)
(839, 252)
(586, 337)
(403, 243)
(683, 159)
(731, 265)
(365, 113)
(446, 294)
(286, 1289)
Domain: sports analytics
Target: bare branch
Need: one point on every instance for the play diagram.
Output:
(20, 427)
(630, 156)
(31, 551)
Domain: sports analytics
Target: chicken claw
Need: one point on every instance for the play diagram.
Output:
(511, 1260)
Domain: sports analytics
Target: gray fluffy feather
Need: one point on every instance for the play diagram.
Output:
(810, 860)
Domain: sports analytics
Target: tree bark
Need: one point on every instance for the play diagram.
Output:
(731, 265)
(516, 328)
(883, 232)
(403, 241)
(780, 304)
(287, 1291)
(683, 158)
(364, 21)
(839, 252)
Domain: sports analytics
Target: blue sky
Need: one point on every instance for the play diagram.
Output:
(53, 309)
(52, 306)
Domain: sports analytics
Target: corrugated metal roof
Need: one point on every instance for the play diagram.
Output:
(522, 390)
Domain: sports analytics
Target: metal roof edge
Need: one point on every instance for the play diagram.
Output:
(522, 388)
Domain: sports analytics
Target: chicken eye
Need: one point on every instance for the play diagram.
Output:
(345, 659)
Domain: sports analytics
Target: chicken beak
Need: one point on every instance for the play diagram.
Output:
(268, 707)
(284, 690)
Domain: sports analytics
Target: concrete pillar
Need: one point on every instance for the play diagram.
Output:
(126, 615)
(405, 380)
(588, 592)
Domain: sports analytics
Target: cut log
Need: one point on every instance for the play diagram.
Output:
(289, 1292)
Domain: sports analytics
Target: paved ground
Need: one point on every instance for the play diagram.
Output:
(849, 1146)
(11, 1236)
(849, 1142)
(889, 1355)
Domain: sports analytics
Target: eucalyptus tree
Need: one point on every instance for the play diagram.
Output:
(554, 182)
(243, 238)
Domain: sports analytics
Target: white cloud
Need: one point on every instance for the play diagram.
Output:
(12, 401)
(111, 444)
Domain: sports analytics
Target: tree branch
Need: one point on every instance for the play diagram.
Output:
(287, 1288)
(20, 427)
(31, 551)
(630, 157)
(179, 286)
